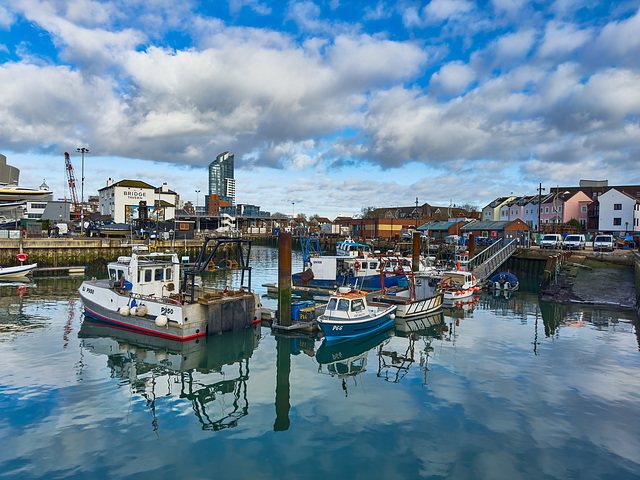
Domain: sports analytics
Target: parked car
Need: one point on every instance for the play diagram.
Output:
(574, 242)
(604, 243)
(551, 240)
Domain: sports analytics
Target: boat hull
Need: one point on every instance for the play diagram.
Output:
(340, 329)
(369, 282)
(416, 308)
(17, 271)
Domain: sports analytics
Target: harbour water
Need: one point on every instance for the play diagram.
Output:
(510, 388)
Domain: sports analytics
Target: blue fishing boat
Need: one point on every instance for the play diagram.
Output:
(348, 314)
(506, 281)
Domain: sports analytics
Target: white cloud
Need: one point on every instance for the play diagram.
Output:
(453, 78)
(561, 39)
(621, 38)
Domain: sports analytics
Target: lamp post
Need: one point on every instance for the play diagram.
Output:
(82, 150)
(540, 189)
(293, 216)
(197, 217)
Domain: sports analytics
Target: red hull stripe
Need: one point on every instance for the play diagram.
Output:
(125, 326)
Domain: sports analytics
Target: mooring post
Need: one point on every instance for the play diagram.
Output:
(284, 279)
(472, 246)
(415, 259)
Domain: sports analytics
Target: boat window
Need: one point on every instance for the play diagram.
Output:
(364, 265)
(158, 274)
(332, 304)
(112, 275)
(168, 274)
(120, 274)
(147, 275)
(357, 305)
(343, 305)
(373, 265)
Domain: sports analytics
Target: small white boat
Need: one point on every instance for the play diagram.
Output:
(15, 193)
(17, 271)
(348, 314)
(458, 285)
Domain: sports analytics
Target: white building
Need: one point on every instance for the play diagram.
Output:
(618, 212)
(121, 200)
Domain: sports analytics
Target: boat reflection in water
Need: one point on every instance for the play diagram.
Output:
(396, 358)
(349, 357)
(210, 372)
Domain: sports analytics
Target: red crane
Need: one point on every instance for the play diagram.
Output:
(72, 186)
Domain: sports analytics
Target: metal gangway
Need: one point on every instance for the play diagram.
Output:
(488, 261)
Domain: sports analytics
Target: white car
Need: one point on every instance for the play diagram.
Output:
(574, 242)
(551, 240)
(603, 243)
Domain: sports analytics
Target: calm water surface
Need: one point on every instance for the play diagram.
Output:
(509, 389)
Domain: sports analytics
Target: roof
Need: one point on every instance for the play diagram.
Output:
(129, 183)
(438, 225)
(490, 225)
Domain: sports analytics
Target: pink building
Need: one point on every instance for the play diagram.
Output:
(560, 207)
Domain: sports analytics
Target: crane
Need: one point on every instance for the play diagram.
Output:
(71, 178)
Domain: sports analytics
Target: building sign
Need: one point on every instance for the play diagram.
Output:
(135, 194)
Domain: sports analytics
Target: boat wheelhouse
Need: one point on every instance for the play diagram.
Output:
(350, 248)
(349, 314)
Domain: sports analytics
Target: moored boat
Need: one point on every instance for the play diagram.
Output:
(458, 285)
(348, 314)
(506, 281)
(17, 271)
(144, 293)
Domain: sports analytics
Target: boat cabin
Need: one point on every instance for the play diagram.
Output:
(457, 279)
(152, 274)
(330, 268)
(350, 248)
(347, 304)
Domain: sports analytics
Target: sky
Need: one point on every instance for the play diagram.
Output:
(328, 106)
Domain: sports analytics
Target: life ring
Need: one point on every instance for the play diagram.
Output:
(22, 257)
(356, 265)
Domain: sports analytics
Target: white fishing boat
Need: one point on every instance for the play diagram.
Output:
(415, 299)
(15, 193)
(350, 248)
(458, 285)
(144, 293)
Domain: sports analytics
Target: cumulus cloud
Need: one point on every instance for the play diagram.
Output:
(453, 78)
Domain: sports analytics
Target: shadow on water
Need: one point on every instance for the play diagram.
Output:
(210, 372)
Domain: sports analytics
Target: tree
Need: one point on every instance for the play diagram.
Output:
(367, 212)
(575, 224)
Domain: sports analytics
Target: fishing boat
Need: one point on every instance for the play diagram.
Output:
(506, 281)
(144, 293)
(458, 285)
(348, 314)
(417, 298)
(330, 272)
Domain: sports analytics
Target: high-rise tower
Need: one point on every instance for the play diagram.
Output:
(221, 181)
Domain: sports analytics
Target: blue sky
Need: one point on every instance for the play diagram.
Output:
(333, 105)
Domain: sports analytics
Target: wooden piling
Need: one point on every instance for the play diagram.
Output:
(284, 279)
(415, 259)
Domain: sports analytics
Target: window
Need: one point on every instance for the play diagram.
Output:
(343, 305)
(617, 206)
(559, 208)
(332, 304)
(147, 275)
(546, 209)
(158, 274)
(168, 274)
(357, 305)
(617, 221)
(583, 209)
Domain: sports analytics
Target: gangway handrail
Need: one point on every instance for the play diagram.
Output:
(485, 269)
(487, 253)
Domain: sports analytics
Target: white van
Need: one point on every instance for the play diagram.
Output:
(603, 243)
(574, 242)
(551, 240)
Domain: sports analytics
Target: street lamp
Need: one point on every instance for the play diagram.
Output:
(197, 217)
(293, 214)
(540, 189)
(82, 150)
